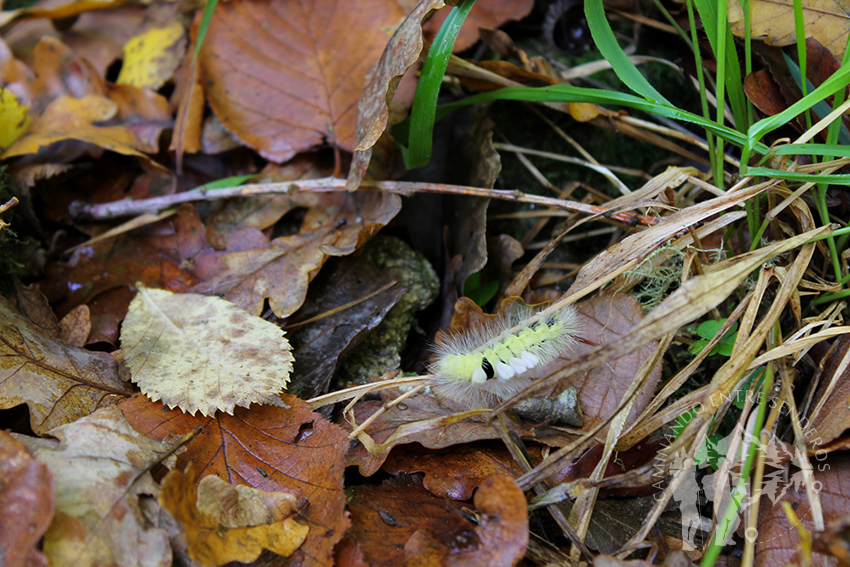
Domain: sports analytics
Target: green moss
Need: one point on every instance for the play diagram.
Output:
(381, 351)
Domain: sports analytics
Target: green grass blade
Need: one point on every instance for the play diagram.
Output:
(568, 93)
(833, 178)
(428, 89)
(607, 44)
(209, 8)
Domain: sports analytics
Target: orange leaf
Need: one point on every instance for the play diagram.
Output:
(71, 118)
(285, 76)
(272, 449)
(223, 523)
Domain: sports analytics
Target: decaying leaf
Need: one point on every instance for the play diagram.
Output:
(100, 468)
(59, 383)
(273, 449)
(224, 523)
(26, 499)
(335, 225)
(298, 80)
(203, 353)
(828, 21)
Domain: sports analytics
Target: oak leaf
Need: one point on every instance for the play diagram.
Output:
(335, 225)
(101, 468)
(59, 383)
(203, 353)
(224, 523)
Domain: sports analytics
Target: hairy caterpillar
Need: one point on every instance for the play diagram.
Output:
(491, 362)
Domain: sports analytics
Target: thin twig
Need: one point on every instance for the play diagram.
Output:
(129, 207)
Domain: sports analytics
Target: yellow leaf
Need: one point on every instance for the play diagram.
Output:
(14, 118)
(203, 353)
(224, 523)
(828, 21)
(151, 58)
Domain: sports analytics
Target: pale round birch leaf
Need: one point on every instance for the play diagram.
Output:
(203, 353)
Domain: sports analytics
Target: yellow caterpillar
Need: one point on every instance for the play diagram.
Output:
(490, 362)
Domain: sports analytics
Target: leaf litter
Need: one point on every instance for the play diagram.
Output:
(271, 476)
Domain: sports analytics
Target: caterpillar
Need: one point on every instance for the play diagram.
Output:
(491, 362)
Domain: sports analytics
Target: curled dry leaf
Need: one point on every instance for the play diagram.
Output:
(273, 449)
(100, 468)
(26, 499)
(280, 270)
(401, 52)
(203, 353)
(296, 83)
(59, 383)
(224, 523)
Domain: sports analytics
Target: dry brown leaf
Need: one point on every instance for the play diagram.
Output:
(296, 83)
(830, 415)
(453, 473)
(483, 15)
(273, 449)
(223, 523)
(335, 225)
(59, 383)
(26, 499)
(203, 353)
(400, 523)
(70, 118)
(101, 468)
(400, 53)
(157, 254)
(76, 326)
(828, 21)
(777, 539)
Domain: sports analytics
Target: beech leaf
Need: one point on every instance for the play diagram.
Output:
(203, 353)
